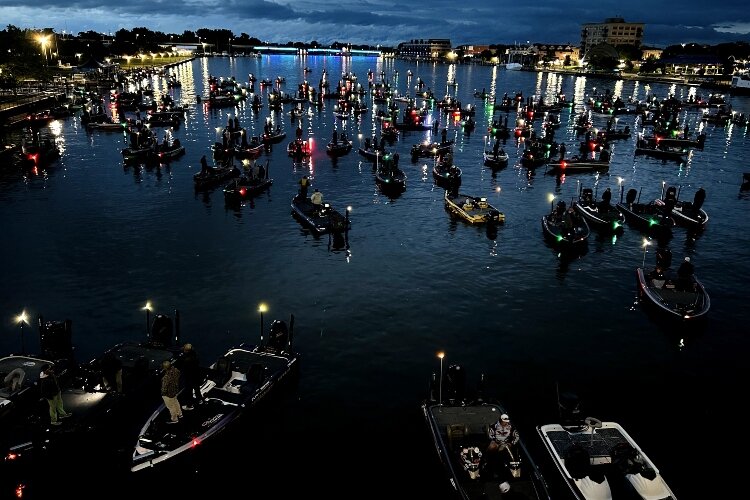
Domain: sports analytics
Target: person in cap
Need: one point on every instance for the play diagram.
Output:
(685, 274)
(170, 386)
(502, 434)
(498, 454)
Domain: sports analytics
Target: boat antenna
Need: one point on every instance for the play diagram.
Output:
(267, 163)
(291, 330)
(679, 190)
(176, 327)
(663, 183)
(639, 195)
(557, 392)
(440, 355)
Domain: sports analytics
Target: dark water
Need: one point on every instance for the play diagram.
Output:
(92, 240)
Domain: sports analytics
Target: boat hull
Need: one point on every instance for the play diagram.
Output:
(602, 462)
(679, 301)
(246, 378)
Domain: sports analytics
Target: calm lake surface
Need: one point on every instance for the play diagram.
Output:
(92, 240)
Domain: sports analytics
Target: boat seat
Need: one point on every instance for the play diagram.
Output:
(456, 434)
(256, 373)
(222, 371)
(577, 461)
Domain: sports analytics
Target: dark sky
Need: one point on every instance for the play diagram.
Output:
(389, 22)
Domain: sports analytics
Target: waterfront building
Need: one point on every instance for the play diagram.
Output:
(613, 31)
(432, 48)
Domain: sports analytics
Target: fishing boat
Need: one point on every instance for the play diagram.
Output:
(565, 228)
(601, 216)
(388, 176)
(339, 148)
(212, 176)
(680, 295)
(600, 460)
(431, 150)
(458, 423)
(496, 159)
(686, 213)
(247, 186)
(273, 137)
(576, 165)
(322, 219)
(167, 152)
(299, 149)
(238, 381)
(653, 218)
(472, 209)
(446, 173)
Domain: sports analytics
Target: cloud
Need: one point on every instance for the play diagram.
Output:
(389, 22)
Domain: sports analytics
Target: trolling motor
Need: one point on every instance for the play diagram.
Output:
(470, 458)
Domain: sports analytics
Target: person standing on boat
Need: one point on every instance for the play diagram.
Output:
(170, 386)
(685, 274)
(191, 373)
(444, 135)
(304, 183)
(204, 164)
(51, 392)
(562, 151)
(335, 137)
(111, 372)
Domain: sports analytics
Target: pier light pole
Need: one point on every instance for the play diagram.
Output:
(22, 319)
(147, 308)
(646, 243)
(261, 309)
(440, 355)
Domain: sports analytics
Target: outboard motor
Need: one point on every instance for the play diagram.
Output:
(699, 198)
(55, 339)
(663, 257)
(570, 410)
(161, 330)
(278, 337)
(670, 198)
(454, 382)
(631, 196)
(587, 196)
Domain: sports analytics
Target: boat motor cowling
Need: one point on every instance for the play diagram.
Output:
(278, 337)
(630, 197)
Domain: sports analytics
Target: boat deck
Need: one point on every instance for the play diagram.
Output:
(599, 444)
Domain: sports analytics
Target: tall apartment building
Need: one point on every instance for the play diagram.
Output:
(614, 31)
(432, 48)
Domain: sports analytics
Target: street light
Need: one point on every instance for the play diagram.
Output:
(22, 319)
(43, 41)
(440, 355)
(147, 308)
(261, 309)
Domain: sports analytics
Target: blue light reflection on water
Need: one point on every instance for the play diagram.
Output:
(94, 240)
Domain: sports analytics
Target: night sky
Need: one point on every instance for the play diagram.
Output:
(388, 22)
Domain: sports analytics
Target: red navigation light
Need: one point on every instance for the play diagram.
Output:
(563, 164)
(195, 442)
(592, 145)
(243, 191)
(11, 456)
(19, 490)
